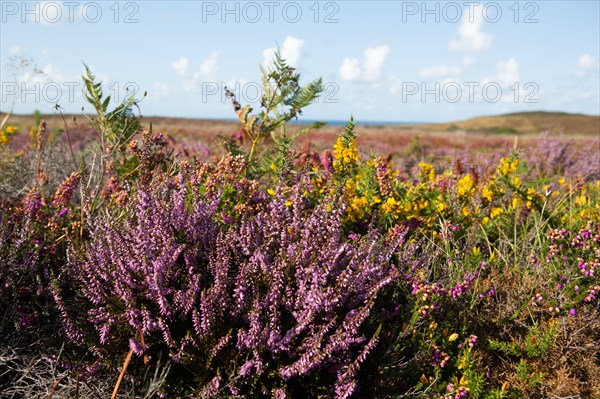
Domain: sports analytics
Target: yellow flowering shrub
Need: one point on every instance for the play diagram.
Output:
(6, 134)
(508, 166)
(345, 154)
(487, 192)
(465, 186)
(427, 170)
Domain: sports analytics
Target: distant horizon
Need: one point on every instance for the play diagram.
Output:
(332, 122)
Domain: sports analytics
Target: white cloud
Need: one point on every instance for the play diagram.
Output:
(59, 87)
(159, 91)
(507, 75)
(374, 59)
(46, 13)
(439, 71)
(15, 50)
(208, 71)
(571, 100)
(395, 85)
(209, 67)
(468, 60)
(508, 71)
(471, 37)
(372, 67)
(52, 74)
(181, 66)
(268, 55)
(291, 51)
(586, 64)
(586, 61)
(350, 69)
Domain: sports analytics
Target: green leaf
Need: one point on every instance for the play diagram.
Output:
(105, 103)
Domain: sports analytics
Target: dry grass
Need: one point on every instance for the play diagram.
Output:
(27, 374)
(570, 366)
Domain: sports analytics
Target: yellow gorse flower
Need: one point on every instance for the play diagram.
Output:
(495, 212)
(507, 166)
(358, 208)
(6, 134)
(344, 154)
(487, 193)
(516, 201)
(427, 170)
(530, 197)
(389, 205)
(392, 207)
(464, 187)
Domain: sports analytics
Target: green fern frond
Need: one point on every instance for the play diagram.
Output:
(282, 100)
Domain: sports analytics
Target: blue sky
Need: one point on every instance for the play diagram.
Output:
(380, 60)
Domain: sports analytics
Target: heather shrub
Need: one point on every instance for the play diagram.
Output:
(33, 241)
(559, 156)
(32, 251)
(278, 302)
